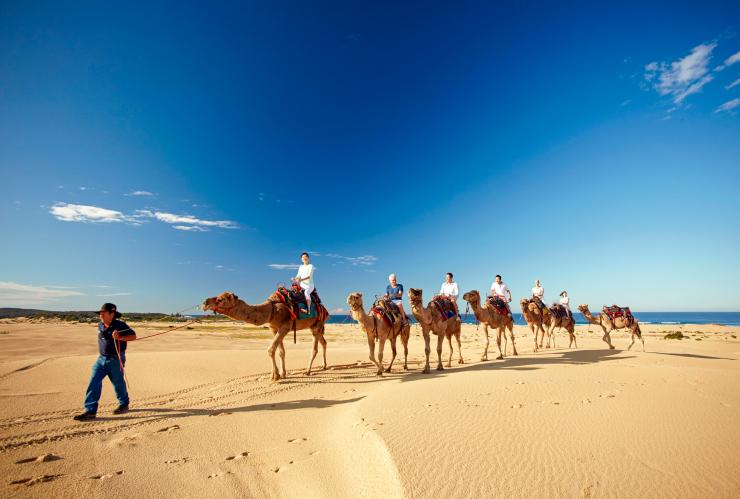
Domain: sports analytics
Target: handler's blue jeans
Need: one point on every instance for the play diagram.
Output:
(105, 366)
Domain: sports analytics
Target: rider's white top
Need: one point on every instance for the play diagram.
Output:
(499, 289)
(449, 289)
(306, 271)
(564, 301)
(539, 292)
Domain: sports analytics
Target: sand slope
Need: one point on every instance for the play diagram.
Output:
(206, 419)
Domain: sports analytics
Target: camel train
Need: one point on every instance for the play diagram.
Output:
(385, 322)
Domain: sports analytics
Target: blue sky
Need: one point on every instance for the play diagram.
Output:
(155, 155)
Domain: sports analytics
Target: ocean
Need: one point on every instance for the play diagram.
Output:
(678, 318)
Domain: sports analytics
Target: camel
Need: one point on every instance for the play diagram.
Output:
(378, 330)
(608, 325)
(491, 317)
(536, 320)
(566, 322)
(278, 316)
(430, 319)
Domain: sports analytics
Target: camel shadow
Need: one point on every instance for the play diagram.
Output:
(693, 356)
(288, 405)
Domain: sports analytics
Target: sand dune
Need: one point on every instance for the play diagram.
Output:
(206, 419)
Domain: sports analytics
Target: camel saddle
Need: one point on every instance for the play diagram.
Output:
(295, 299)
(387, 311)
(498, 304)
(559, 312)
(536, 300)
(614, 312)
(444, 306)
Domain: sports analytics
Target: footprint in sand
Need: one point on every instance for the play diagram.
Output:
(168, 428)
(224, 413)
(238, 456)
(219, 475)
(33, 481)
(586, 401)
(106, 476)
(517, 406)
(725, 404)
(607, 395)
(44, 458)
(178, 461)
(129, 440)
(279, 469)
(314, 453)
(297, 440)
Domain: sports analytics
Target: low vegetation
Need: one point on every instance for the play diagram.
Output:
(675, 335)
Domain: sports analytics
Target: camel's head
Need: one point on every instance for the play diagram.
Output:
(414, 295)
(472, 296)
(583, 308)
(221, 303)
(524, 303)
(354, 300)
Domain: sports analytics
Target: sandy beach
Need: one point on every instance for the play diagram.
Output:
(206, 419)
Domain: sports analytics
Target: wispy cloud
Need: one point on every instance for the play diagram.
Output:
(87, 214)
(13, 293)
(139, 193)
(729, 61)
(68, 212)
(110, 295)
(354, 260)
(283, 266)
(683, 77)
(179, 221)
(733, 84)
(728, 106)
(626, 102)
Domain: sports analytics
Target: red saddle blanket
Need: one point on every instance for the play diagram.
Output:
(387, 311)
(444, 306)
(498, 305)
(296, 302)
(615, 312)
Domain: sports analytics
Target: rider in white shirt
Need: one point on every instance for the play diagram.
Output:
(565, 302)
(538, 293)
(304, 278)
(500, 290)
(449, 288)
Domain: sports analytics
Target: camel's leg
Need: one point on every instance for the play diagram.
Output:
(281, 352)
(535, 331)
(393, 350)
(607, 338)
(277, 341)
(459, 348)
(315, 350)
(371, 344)
(498, 345)
(440, 342)
(427, 349)
(449, 360)
(405, 342)
(551, 335)
(381, 346)
(511, 333)
(322, 340)
(485, 350)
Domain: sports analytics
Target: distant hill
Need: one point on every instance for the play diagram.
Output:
(75, 315)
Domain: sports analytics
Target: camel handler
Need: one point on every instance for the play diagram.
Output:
(449, 289)
(538, 294)
(565, 302)
(110, 331)
(304, 278)
(500, 290)
(395, 294)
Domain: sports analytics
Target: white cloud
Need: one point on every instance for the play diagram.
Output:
(14, 294)
(190, 228)
(733, 84)
(682, 77)
(181, 220)
(86, 213)
(729, 61)
(283, 266)
(140, 193)
(354, 260)
(728, 106)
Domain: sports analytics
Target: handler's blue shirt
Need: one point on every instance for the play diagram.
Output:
(106, 343)
(395, 293)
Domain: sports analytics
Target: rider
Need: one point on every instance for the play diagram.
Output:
(449, 289)
(500, 290)
(304, 278)
(395, 294)
(538, 294)
(565, 302)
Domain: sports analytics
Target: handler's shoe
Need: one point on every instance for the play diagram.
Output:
(85, 416)
(121, 409)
